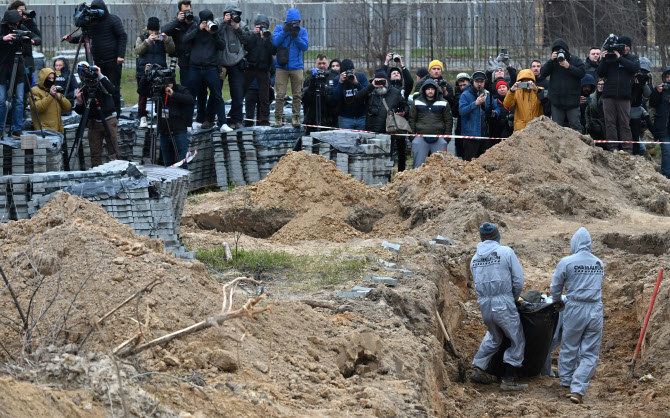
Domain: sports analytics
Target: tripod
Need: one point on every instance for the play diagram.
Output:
(164, 113)
(92, 101)
(18, 59)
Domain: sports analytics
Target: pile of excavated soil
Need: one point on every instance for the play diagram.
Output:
(77, 262)
(542, 171)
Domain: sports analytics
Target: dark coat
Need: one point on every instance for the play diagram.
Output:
(375, 120)
(177, 30)
(661, 102)
(204, 47)
(260, 51)
(500, 125)
(345, 95)
(450, 89)
(104, 96)
(8, 49)
(178, 107)
(329, 105)
(407, 81)
(28, 46)
(108, 37)
(154, 54)
(619, 76)
(591, 68)
(564, 85)
(61, 80)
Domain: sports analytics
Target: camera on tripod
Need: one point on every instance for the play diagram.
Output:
(612, 44)
(21, 35)
(89, 77)
(85, 16)
(159, 77)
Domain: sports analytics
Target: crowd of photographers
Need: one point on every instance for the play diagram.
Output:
(609, 95)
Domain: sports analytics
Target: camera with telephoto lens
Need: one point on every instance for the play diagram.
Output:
(560, 55)
(641, 78)
(188, 16)
(236, 17)
(265, 30)
(395, 57)
(30, 13)
(612, 44)
(85, 16)
(213, 27)
(351, 76)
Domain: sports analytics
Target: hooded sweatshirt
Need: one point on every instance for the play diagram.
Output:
(260, 49)
(235, 39)
(108, 37)
(527, 103)
(564, 85)
(48, 107)
(581, 273)
(202, 45)
(497, 274)
(431, 116)
(296, 44)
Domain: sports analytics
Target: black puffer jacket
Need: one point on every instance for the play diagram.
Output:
(375, 119)
(564, 85)
(591, 68)
(177, 30)
(260, 50)
(108, 37)
(204, 46)
(8, 49)
(619, 76)
(178, 107)
(61, 80)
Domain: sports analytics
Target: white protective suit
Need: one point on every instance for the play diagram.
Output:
(581, 274)
(498, 278)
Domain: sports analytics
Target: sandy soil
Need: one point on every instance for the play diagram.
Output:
(381, 355)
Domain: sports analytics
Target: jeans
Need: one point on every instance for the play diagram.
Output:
(168, 151)
(17, 106)
(352, 123)
(210, 78)
(665, 156)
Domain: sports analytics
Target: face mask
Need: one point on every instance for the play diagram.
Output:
(48, 83)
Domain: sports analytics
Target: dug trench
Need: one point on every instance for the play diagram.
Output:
(378, 355)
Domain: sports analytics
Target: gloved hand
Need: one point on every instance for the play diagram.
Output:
(500, 57)
(295, 31)
(506, 59)
(491, 65)
(287, 27)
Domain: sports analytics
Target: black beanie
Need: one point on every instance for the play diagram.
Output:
(422, 72)
(346, 65)
(395, 69)
(379, 73)
(626, 40)
(153, 24)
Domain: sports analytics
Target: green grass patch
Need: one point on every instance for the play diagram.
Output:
(129, 87)
(298, 271)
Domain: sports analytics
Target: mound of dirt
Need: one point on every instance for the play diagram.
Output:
(73, 262)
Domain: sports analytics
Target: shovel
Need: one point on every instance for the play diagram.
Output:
(447, 338)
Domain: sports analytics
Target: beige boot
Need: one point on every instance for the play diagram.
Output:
(296, 121)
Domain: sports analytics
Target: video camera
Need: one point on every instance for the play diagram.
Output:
(21, 33)
(318, 74)
(85, 16)
(30, 13)
(188, 16)
(612, 44)
(159, 77)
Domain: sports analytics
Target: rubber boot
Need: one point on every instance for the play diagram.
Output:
(509, 381)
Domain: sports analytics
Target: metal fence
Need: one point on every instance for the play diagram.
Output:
(460, 42)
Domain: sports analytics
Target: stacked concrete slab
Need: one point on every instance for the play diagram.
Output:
(148, 199)
(30, 154)
(247, 155)
(127, 139)
(371, 162)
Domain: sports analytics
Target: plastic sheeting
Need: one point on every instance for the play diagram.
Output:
(539, 321)
(55, 139)
(347, 142)
(269, 137)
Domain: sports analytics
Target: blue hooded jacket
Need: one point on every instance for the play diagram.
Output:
(296, 45)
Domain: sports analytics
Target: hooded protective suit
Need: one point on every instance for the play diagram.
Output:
(581, 274)
(498, 278)
(49, 107)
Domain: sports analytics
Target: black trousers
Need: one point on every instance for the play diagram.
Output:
(112, 71)
(263, 80)
(473, 148)
(400, 145)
